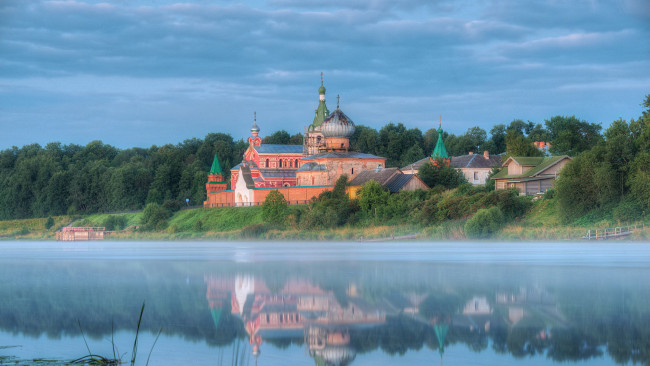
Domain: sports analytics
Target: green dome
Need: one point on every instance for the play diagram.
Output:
(321, 90)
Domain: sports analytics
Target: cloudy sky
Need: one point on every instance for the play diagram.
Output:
(138, 73)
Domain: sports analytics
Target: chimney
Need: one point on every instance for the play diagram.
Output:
(486, 154)
(471, 153)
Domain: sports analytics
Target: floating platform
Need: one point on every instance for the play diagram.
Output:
(81, 233)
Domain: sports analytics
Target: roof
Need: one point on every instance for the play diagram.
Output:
(381, 176)
(278, 149)
(543, 164)
(249, 163)
(440, 151)
(398, 182)
(307, 167)
(216, 167)
(475, 161)
(278, 173)
(417, 165)
(342, 155)
(526, 160)
(246, 174)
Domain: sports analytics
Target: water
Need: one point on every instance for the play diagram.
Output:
(249, 303)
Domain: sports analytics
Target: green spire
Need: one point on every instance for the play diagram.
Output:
(441, 334)
(440, 151)
(321, 112)
(216, 167)
(216, 316)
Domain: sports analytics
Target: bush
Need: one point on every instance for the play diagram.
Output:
(198, 226)
(275, 208)
(508, 201)
(485, 223)
(154, 216)
(115, 222)
(628, 211)
(254, 231)
(49, 223)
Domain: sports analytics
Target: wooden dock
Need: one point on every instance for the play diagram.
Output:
(612, 232)
(82, 233)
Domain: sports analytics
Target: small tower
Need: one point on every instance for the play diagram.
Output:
(440, 151)
(216, 182)
(314, 139)
(337, 129)
(255, 140)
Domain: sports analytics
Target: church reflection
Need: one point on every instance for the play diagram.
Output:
(331, 326)
(299, 309)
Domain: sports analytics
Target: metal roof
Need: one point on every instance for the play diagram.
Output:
(307, 167)
(278, 173)
(475, 161)
(342, 155)
(398, 181)
(380, 176)
(278, 149)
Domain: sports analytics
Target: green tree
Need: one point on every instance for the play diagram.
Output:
(441, 174)
(372, 197)
(571, 136)
(275, 208)
(519, 145)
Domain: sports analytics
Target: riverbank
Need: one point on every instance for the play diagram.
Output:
(541, 222)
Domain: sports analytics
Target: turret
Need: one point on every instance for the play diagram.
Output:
(216, 181)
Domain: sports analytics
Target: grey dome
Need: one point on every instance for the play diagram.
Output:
(337, 355)
(337, 124)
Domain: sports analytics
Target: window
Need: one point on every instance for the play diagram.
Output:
(280, 163)
(296, 164)
(312, 181)
(352, 171)
(475, 175)
(267, 163)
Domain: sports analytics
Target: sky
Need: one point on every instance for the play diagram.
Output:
(141, 73)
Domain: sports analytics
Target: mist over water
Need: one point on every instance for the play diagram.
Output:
(272, 303)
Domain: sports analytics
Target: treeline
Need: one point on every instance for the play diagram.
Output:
(37, 181)
(612, 178)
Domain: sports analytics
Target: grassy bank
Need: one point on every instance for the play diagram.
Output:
(541, 222)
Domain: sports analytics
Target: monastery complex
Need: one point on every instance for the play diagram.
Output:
(302, 172)
(299, 172)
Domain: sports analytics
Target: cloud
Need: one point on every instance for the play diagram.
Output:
(180, 67)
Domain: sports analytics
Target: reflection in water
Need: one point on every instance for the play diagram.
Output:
(327, 313)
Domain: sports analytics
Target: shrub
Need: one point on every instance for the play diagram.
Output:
(485, 223)
(628, 210)
(115, 222)
(508, 201)
(275, 208)
(49, 223)
(154, 216)
(198, 226)
(254, 231)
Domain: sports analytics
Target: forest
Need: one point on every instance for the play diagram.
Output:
(610, 168)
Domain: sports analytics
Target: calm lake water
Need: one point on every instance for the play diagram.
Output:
(260, 303)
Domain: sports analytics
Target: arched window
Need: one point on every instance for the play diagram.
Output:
(280, 162)
(296, 165)
(352, 171)
(290, 163)
(267, 163)
(312, 181)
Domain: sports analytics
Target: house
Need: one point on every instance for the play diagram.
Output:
(475, 167)
(530, 175)
(392, 179)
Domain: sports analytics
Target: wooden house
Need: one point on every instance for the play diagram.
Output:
(530, 175)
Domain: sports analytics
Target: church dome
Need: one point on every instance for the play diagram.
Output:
(337, 124)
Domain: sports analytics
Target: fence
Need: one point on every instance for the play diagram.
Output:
(249, 204)
(613, 232)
